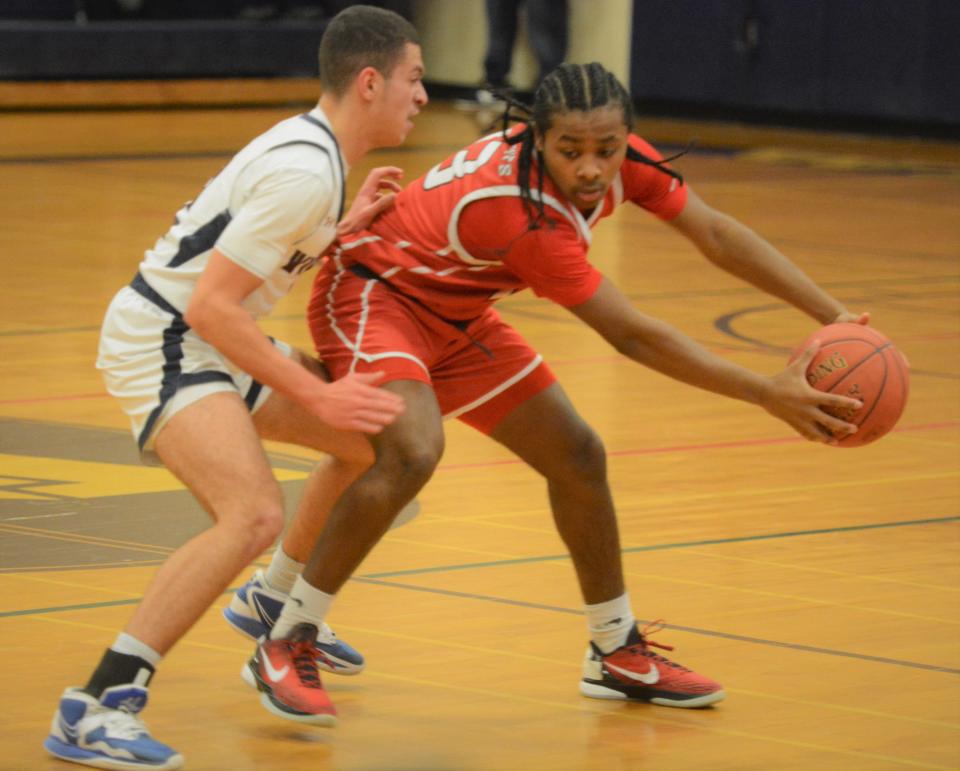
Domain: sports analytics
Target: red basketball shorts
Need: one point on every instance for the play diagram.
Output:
(479, 374)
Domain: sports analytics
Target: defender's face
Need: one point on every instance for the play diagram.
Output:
(583, 151)
(400, 98)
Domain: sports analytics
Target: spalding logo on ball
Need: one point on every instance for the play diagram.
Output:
(858, 361)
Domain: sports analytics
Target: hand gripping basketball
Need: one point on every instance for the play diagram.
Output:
(858, 361)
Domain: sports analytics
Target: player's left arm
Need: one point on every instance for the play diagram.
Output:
(732, 246)
(658, 345)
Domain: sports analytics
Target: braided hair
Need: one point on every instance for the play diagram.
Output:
(569, 87)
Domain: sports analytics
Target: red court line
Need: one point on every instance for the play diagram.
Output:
(704, 446)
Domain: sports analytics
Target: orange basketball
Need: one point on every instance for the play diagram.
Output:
(858, 361)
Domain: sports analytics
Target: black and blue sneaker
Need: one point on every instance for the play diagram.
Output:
(256, 607)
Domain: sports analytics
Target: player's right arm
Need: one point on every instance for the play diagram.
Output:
(656, 344)
(216, 313)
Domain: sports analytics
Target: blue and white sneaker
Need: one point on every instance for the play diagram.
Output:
(107, 733)
(256, 607)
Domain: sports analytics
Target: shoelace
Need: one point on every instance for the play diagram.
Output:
(326, 635)
(652, 628)
(123, 725)
(304, 661)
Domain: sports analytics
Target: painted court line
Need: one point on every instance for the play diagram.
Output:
(675, 545)
(641, 714)
(378, 579)
(690, 629)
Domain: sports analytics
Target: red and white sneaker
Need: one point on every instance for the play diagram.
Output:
(635, 672)
(286, 674)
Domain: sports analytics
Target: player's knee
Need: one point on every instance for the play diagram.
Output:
(259, 525)
(266, 526)
(584, 457)
(411, 464)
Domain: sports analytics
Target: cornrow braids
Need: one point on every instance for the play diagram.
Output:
(568, 88)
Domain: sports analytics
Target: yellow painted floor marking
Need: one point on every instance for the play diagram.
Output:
(86, 539)
(26, 477)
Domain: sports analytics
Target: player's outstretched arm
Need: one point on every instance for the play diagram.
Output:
(661, 347)
(216, 314)
(737, 249)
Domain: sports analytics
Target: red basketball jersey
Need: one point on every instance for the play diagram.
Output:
(459, 237)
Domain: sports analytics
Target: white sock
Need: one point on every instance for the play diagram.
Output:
(131, 646)
(282, 572)
(306, 605)
(610, 622)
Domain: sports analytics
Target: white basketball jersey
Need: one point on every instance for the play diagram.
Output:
(273, 210)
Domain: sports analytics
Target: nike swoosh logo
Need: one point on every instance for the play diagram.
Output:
(649, 678)
(275, 675)
(68, 730)
(266, 617)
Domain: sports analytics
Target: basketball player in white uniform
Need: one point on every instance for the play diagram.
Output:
(202, 384)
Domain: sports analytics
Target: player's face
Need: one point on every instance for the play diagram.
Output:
(583, 151)
(401, 97)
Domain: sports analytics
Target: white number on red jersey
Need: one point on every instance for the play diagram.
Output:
(459, 166)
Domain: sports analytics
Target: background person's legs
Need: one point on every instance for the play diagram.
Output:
(547, 30)
(501, 37)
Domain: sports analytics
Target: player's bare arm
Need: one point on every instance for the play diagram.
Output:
(216, 313)
(656, 344)
(735, 248)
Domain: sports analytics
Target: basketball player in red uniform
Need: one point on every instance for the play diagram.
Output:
(413, 297)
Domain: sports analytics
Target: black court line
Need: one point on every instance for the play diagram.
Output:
(690, 629)
(378, 579)
(567, 611)
(664, 546)
(724, 325)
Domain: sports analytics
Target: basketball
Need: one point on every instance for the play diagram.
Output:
(858, 361)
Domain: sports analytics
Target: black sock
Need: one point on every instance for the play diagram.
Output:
(118, 669)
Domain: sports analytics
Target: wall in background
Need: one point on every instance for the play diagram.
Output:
(454, 35)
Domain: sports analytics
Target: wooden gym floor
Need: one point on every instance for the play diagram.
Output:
(819, 585)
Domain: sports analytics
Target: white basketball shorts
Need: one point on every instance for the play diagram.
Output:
(155, 365)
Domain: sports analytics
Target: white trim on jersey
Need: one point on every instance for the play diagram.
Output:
(494, 191)
(617, 188)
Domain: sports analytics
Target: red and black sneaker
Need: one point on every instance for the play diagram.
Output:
(286, 674)
(635, 672)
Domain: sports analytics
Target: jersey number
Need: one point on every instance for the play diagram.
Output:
(459, 166)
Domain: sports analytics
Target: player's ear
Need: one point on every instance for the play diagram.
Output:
(368, 82)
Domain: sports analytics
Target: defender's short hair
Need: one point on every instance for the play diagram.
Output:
(362, 36)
